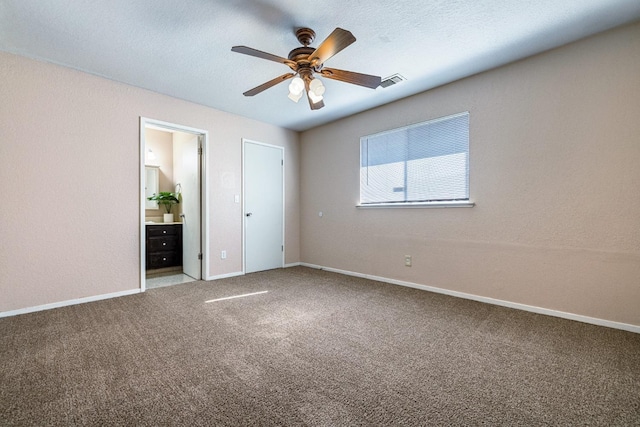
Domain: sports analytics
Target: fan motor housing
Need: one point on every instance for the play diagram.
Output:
(301, 53)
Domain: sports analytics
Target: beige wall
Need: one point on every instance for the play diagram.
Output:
(69, 168)
(554, 149)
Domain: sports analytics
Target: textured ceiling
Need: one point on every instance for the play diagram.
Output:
(183, 48)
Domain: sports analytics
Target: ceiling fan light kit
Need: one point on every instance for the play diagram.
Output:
(314, 98)
(296, 87)
(317, 87)
(305, 61)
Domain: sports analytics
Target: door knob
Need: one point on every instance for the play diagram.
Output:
(249, 214)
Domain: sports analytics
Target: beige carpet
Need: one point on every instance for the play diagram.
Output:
(318, 349)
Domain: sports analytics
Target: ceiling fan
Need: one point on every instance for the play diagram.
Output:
(306, 61)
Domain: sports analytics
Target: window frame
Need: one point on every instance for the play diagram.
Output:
(417, 204)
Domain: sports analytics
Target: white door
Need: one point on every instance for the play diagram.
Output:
(263, 207)
(186, 175)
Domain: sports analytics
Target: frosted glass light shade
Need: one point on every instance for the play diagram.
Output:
(314, 98)
(317, 87)
(295, 97)
(296, 86)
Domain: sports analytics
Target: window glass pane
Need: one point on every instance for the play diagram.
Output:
(437, 178)
(424, 162)
(384, 181)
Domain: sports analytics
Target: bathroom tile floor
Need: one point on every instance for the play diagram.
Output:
(168, 280)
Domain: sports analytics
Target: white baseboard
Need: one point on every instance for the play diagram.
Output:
(68, 302)
(293, 264)
(503, 303)
(226, 276)
(509, 304)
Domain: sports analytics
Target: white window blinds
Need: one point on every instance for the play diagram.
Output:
(425, 162)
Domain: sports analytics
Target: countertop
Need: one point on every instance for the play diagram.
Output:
(161, 223)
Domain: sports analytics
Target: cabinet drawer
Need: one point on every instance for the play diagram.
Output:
(162, 230)
(163, 259)
(169, 243)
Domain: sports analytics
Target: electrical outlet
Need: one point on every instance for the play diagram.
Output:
(407, 260)
(223, 255)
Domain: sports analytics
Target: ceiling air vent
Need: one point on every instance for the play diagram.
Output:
(392, 80)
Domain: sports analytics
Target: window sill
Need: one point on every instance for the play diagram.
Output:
(463, 204)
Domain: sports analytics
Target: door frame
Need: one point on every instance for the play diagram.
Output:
(204, 205)
(244, 217)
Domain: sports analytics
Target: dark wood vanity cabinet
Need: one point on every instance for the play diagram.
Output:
(164, 246)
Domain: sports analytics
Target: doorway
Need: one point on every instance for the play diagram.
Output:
(173, 251)
(263, 190)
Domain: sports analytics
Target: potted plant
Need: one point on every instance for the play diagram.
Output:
(168, 199)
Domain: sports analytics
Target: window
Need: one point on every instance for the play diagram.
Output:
(422, 164)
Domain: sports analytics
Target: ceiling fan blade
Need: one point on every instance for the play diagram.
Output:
(264, 86)
(337, 40)
(360, 79)
(264, 55)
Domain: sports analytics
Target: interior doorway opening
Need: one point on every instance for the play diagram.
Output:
(173, 226)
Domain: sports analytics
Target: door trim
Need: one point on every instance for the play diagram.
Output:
(284, 225)
(204, 214)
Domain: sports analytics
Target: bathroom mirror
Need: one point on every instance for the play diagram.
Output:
(152, 182)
